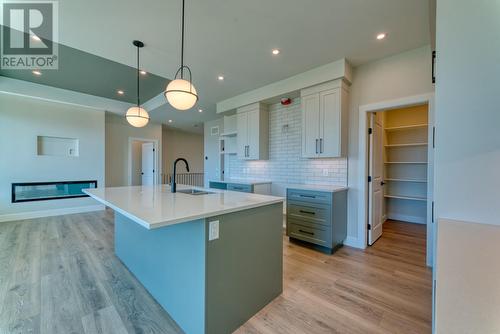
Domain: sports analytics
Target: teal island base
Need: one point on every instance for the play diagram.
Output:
(207, 286)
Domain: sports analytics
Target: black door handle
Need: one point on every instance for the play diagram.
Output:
(382, 183)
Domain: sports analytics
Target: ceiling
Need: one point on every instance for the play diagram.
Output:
(235, 38)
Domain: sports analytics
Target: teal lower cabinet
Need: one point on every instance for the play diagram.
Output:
(318, 218)
(245, 188)
(257, 187)
(208, 286)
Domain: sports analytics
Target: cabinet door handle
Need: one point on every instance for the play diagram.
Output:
(308, 212)
(306, 232)
(308, 196)
(248, 151)
(321, 145)
(316, 146)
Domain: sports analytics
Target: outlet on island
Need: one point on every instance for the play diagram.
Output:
(213, 230)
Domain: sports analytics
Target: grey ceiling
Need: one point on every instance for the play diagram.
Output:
(83, 72)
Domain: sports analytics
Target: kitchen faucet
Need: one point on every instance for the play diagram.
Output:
(174, 185)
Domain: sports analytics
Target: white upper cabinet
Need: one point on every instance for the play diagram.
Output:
(253, 132)
(310, 128)
(324, 120)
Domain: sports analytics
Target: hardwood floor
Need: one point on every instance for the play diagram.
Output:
(59, 275)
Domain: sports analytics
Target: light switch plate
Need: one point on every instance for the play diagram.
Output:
(213, 230)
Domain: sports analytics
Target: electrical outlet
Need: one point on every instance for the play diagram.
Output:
(213, 230)
(325, 172)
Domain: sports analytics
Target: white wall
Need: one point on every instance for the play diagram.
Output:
(285, 164)
(182, 144)
(467, 164)
(118, 132)
(468, 111)
(22, 119)
(402, 75)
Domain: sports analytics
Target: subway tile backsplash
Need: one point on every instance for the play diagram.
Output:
(285, 164)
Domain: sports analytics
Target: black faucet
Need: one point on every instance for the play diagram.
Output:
(174, 185)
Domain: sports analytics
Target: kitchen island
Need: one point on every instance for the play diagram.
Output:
(212, 260)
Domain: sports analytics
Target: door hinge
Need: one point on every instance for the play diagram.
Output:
(433, 67)
(369, 179)
(432, 212)
(370, 131)
(369, 227)
(433, 137)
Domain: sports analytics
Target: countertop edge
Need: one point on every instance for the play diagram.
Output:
(155, 225)
(121, 211)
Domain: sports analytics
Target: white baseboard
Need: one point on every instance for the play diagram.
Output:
(48, 213)
(353, 242)
(406, 218)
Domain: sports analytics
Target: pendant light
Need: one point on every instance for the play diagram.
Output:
(137, 116)
(180, 93)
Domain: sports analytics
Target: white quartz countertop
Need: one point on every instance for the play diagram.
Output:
(242, 181)
(155, 206)
(316, 187)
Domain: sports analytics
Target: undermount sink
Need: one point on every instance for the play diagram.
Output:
(194, 192)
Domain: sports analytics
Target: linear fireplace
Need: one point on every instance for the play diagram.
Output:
(43, 191)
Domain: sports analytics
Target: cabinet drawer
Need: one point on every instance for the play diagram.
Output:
(309, 196)
(246, 188)
(319, 235)
(319, 214)
(218, 185)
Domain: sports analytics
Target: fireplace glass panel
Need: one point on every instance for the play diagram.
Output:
(41, 191)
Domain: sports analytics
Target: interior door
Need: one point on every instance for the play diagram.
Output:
(148, 164)
(242, 137)
(376, 171)
(253, 134)
(329, 123)
(310, 122)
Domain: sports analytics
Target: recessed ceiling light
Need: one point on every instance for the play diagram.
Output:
(381, 36)
(38, 73)
(143, 72)
(276, 52)
(170, 121)
(220, 78)
(120, 92)
(200, 110)
(36, 38)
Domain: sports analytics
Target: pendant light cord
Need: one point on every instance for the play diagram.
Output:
(182, 41)
(138, 98)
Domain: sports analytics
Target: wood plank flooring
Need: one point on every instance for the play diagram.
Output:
(60, 275)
